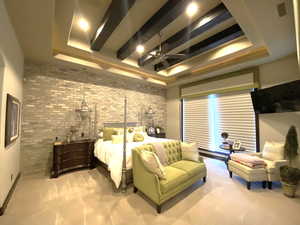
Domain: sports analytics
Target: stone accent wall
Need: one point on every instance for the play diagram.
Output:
(52, 92)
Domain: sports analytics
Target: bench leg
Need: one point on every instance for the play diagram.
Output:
(270, 184)
(230, 174)
(204, 179)
(158, 209)
(134, 189)
(248, 185)
(264, 184)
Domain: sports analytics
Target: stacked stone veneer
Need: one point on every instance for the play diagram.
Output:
(52, 92)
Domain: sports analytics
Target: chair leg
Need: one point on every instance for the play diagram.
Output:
(270, 184)
(230, 174)
(248, 185)
(135, 189)
(264, 184)
(158, 209)
(204, 179)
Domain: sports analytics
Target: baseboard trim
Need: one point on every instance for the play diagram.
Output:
(9, 195)
(212, 156)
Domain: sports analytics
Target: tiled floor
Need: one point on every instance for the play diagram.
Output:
(86, 198)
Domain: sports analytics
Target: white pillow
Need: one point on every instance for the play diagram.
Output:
(190, 151)
(153, 164)
(273, 151)
(161, 153)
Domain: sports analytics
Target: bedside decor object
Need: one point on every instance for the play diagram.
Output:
(224, 135)
(151, 131)
(12, 123)
(69, 156)
(236, 145)
(84, 111)
(289, 175)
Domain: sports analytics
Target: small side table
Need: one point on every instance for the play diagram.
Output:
(73, 155)
(231, 150)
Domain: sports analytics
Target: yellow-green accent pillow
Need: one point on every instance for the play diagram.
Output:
(108, 132)
(138, 137)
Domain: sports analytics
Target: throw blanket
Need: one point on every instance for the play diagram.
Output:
(248, 160)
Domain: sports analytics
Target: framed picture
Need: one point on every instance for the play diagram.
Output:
(12, 122)
(236, 145)
(151, 130)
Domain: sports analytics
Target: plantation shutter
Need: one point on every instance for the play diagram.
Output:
(195, 121)
(236, 117)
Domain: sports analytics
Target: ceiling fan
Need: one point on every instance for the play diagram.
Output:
(161, 55)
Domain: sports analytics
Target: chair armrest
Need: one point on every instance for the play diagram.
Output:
(280, 163)
(143, 179)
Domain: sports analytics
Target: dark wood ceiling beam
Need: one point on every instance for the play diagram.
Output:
(112, 18)
(212, 42)
(164, 16)
(216, 16)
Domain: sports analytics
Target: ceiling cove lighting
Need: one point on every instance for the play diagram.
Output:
(192, 9)
(140, 49)
(83, 24)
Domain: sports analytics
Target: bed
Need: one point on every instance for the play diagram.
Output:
(110, 155)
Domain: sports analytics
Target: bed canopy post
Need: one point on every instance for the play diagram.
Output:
(124, 185)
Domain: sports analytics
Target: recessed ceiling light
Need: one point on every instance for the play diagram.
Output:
(140, 49)
(192, 9)
(83, 24)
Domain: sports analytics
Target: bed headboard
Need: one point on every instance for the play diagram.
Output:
(120, 124)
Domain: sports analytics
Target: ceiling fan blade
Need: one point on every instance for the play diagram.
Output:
(176, 56)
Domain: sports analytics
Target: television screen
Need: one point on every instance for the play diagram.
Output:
(281, 98)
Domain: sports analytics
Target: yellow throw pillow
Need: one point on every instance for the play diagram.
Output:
(190, 151)
(108, 132)
(137, 137)
(117, 139)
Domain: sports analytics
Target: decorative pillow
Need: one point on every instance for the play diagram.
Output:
(138, 137)
(273, 151)
(152, 163)
(129, 137)
(108, 132)
(161, 153)
(189, 151)
(117, 139)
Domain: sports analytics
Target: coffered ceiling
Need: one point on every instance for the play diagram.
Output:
(177, 43)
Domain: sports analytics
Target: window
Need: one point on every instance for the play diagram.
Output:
(205, 118)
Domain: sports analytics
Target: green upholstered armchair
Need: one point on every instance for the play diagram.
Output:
(180, 174)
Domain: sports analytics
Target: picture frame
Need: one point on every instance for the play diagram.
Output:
(151, 130)
(12, 120)
(236, 145)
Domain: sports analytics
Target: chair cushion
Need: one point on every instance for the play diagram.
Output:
(173, 178)
(273, 151)
(192, 168)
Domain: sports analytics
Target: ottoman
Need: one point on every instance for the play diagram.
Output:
(247, 173)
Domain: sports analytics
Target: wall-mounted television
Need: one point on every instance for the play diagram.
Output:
(277, 99)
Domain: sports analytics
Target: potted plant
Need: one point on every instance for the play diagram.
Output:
(290, 175)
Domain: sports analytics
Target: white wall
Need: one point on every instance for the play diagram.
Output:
(272, 126)
(11, 82)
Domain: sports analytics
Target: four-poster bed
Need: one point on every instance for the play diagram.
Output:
(115, 158)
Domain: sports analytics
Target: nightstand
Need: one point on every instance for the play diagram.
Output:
(73, 155)
(160, 135)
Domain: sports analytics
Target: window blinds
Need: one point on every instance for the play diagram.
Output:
(205, 118)
(195, 121)
(236, 117)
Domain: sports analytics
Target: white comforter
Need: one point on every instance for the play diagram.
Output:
(112, 155)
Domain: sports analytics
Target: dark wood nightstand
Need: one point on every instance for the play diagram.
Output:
(160, 135)
(69, 156)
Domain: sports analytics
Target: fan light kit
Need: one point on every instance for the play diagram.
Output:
(140, 49)
(192, 9)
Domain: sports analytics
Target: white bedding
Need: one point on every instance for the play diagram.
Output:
(112, 155)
